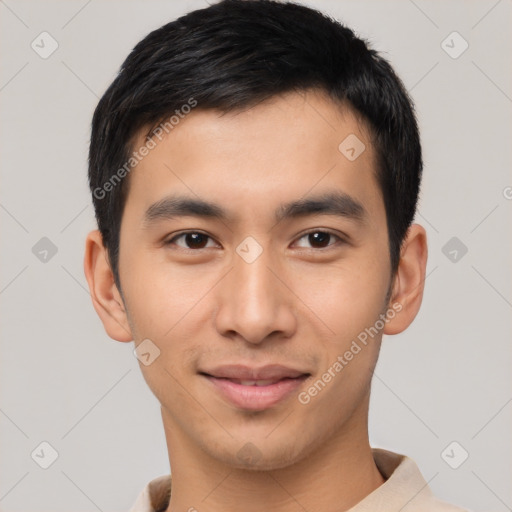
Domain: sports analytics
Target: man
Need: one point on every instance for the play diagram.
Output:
(255, 170)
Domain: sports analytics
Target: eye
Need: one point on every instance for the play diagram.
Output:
(318, 239)
(191, 240)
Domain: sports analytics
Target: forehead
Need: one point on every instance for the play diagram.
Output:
(277, 151)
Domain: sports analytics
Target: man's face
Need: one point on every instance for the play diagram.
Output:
(241, 294)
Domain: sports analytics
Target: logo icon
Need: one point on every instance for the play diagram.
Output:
(44, 250)
(454, 250)
(351, 147)
(454, 455)
(454, 45)
(249, 250)
(44, 45)
(146, 352)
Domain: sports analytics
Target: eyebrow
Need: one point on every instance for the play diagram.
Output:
(333, 203)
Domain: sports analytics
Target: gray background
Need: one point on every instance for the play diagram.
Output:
(63, 381)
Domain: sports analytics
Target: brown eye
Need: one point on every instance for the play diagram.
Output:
(318, 239)
(190, 240)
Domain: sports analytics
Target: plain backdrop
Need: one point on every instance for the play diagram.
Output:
(64, 382)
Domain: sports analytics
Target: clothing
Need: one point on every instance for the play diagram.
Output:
(404, 490)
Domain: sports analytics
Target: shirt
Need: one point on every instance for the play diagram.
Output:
(404, 490)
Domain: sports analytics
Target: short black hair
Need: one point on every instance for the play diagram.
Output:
(231, 56)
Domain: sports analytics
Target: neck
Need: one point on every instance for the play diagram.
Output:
(337, 475)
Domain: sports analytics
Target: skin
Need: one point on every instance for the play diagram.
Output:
(298, 304)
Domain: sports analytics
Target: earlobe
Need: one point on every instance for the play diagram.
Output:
(408, 286)
(106, 299)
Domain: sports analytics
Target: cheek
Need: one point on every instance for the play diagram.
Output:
(160, 296)
(346, 297)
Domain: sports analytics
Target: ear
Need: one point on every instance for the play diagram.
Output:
(409, 280)
(106, 299)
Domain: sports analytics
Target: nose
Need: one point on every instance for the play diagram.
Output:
(254, 303)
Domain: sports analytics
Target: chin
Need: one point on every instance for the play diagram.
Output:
(261, 454)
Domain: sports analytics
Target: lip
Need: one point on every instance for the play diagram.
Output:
(242, 372)
(226, 380)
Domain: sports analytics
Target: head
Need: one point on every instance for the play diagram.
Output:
(289, 152)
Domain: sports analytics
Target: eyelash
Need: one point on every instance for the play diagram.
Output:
(324, 231)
